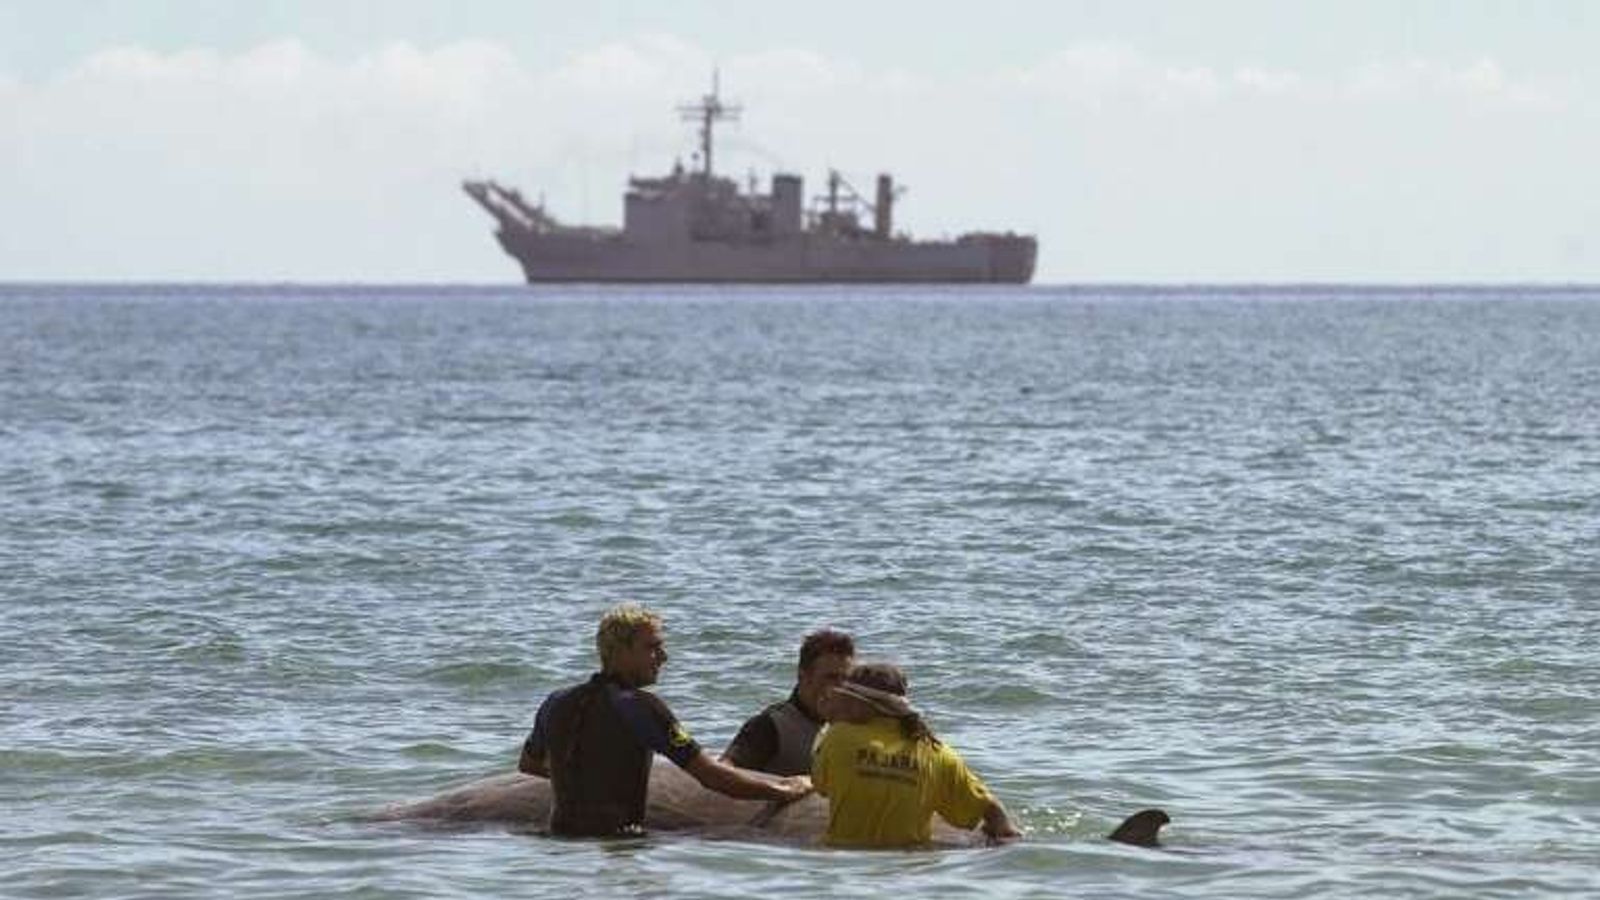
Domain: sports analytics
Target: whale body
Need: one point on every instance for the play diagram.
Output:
(676, 802)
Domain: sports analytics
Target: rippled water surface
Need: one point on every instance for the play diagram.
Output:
(1315, 570)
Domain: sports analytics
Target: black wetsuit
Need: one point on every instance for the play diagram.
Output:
(597, 739)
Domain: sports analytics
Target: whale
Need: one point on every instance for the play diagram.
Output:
(675, 802)
(678, 803)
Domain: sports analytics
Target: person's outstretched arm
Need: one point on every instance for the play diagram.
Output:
(997, 825)
(741, 785)
(964, 802)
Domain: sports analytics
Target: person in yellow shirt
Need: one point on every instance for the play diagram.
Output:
(884, 773)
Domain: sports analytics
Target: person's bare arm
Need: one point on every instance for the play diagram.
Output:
(741, 785)
(997, 825)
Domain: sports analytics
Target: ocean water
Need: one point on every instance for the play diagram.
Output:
(1314, 569)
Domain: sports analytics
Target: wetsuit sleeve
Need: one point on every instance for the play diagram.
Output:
(537, 745)
(961, 797)
(654, 726)
(756, 743)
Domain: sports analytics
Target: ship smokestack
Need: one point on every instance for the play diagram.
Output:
(883, 220)
(786, 194)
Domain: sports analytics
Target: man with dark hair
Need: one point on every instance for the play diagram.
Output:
(595, 741)
(778, 739)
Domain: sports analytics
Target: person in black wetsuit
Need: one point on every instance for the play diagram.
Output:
(595, 740)
(779, 738)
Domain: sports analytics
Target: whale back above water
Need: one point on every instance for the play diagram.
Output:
(676, 803)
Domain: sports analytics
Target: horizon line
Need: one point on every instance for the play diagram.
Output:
(1091, 284)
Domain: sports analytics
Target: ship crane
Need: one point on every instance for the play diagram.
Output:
(509, 208)
(844, 221)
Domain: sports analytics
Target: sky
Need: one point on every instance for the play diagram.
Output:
(1141, 141)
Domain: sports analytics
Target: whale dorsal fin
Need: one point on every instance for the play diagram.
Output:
(1142, 828)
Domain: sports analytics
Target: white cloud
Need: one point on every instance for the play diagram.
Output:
(648, 63)
(1096, 74)
(794, 70)
(1484, 82)
(145, 66)
(1268, 82)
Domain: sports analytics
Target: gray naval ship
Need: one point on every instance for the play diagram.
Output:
(697, 226)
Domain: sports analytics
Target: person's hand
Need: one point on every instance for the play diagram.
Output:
(997, 827)
(1003, 833)
(793, 787)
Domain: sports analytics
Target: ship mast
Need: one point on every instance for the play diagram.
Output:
(707, 111)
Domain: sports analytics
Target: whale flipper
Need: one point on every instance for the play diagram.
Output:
(1141, 829)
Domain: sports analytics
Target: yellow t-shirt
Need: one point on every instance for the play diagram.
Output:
(883, 789)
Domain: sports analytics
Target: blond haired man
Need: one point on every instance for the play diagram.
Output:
(595, 740)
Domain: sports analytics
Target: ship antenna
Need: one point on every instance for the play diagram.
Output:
(706, 112)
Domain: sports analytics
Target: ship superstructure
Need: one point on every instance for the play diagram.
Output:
(693, 225)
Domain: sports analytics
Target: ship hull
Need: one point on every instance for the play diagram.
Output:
(987, 258)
